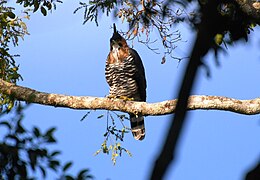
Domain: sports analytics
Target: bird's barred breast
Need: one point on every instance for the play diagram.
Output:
(120, 77)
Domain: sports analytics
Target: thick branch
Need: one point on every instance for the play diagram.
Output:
(248, 107)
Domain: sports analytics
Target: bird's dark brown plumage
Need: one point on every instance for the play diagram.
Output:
(126, 77)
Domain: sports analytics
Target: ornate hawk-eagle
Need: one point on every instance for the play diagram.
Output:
(126, 77)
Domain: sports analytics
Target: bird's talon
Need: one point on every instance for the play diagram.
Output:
(125, 98)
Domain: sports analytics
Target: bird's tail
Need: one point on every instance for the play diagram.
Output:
(137, 126)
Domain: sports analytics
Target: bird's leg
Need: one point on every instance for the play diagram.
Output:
(125, 98)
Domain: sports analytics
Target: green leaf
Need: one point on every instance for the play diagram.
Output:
(19, 1)
(53, 164)
(10, 106)
(84, 117)
(13, 138)
(36, 132)
(51, 139)
(43, 10)
(33, 158)
(43, 171)
(7, 124)
(36, 5)
(19, 128)
(66, 166)
(22, 170)
(23, 25)
(49, 135)
(11, 15)
(97, 152)
(100, 116)
(83, 174)
(55, 153)
(50, 131)
(41, 152)
(89, 177)
(219, 39)
(49, 5)
(69, 177)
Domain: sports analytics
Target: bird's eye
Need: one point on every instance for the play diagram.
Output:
(120, 44)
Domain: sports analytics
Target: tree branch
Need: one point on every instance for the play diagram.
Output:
(248, 107)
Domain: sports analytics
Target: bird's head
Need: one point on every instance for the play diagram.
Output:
(117, 42)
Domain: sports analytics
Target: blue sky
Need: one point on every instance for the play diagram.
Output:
(63, 56)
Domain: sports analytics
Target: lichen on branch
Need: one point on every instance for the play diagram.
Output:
(247, 107)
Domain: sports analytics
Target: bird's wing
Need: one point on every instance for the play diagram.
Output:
(140, 74)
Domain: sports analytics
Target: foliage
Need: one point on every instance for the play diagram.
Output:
(163, 16)
(143, 18)
(23, 151)
(114, 136)
(12, 29)
(42, 5)
(235, 25)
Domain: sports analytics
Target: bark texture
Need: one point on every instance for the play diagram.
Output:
(247, 107)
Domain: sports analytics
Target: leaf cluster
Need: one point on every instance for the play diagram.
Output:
(12, 29)
(94, 7)
(147, 16)
(114, 136)
(236, 24)
(22, 150)
(142, 17)
(42, 5)
(226, 22)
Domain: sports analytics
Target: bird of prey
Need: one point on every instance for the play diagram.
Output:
(126, 77)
